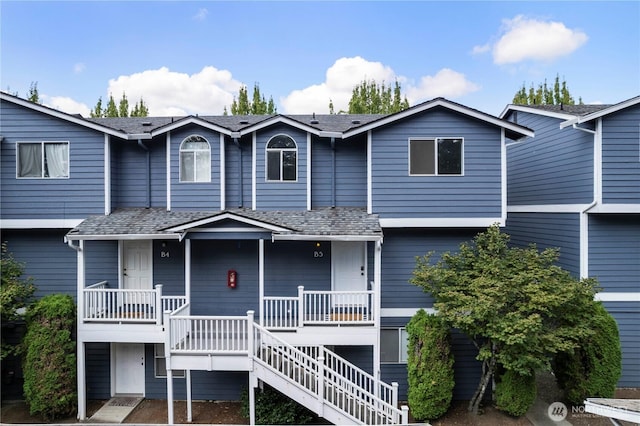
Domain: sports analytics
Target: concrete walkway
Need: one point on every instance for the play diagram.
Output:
(116, 409)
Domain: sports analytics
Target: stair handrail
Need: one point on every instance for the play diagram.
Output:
(288, 356)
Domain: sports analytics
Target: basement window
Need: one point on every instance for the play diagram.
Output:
(393, 345)
(160, 363)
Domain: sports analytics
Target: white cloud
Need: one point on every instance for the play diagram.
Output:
(446, 83)
(346, 73)
(66, 104)
(79, 68)
(168, 93)
(201, 15)
(529, 39)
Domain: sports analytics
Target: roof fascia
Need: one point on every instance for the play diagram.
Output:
(314, 237)
(278, 119)
(190, 120)
(109, 237)
(614, 108)
(225, 216)
(62, 115)
(524, 108)
(523, 131)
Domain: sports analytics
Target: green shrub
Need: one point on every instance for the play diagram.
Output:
(515, 392)
(594, 368)
(430, 366)
(274, 408)
(50, 357)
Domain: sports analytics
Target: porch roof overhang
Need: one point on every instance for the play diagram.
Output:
(339, 224)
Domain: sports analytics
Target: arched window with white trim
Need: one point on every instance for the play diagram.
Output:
(282, 159)
(195, 160)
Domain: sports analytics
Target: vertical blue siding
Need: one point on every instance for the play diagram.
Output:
(556, 167)
(476, 194)
(281, 195)
(98, 370)
(621, 156)
(614, 251)
(555, 230)
(235, 196)
(399, 252)
(289, 264)
(80, 195)
(195, 195)
(169, 270)
(101, 262)
(47, 259)
(211, 259)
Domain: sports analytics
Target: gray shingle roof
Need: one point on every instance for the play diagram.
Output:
(570, 109)
(340, 221)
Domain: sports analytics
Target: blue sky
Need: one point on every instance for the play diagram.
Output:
(192, 57)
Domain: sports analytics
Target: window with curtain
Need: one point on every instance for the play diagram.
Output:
(42, 160)
(282, 159)
(195, 160)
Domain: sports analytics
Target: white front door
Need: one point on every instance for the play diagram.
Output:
(348, 266)
(128, 365)
(137, 265)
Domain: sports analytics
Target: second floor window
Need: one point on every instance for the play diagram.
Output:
(195, 160)
(43, 160)
(282, 159)
(437, 156)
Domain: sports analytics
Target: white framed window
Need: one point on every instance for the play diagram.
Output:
(195, 160)
(282, 159)
(42, 160)
(394, 345)
(436, 156)
(160, 363)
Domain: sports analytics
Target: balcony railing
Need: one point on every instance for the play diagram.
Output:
(318, 308)
(104, 304)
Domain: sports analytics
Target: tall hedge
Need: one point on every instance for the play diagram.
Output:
(593, 369)
(50, 358)
(430, 366)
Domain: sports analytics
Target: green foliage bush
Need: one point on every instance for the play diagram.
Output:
(50, 357)
(274, 408)
(593, 369)
(515, 392)
(430, 366)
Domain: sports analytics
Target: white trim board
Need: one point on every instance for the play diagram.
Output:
(39, 223)
(618, 296)
(436, 222)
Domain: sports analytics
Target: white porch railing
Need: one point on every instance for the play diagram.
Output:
(208, 335)
(104, 304)
(312, 307)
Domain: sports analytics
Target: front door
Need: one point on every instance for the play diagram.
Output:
(349, 272)
(137, 265)
(128, 365)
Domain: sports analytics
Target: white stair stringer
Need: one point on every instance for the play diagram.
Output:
(312, 383)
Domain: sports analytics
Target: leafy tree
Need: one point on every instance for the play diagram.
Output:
(257, 106)
(516, 305)
(515, 392)
(123, 106)
(140, 109)
(543, 95)
(111, 110)
(50, 359)
(15, 293)
(369, 97)
(34, 96)
(430, 366)
(97, 110)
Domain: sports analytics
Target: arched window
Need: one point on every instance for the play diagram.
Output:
(282, 159)
(195, 160)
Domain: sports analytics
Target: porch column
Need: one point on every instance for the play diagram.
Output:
(169, 396)
(377, 297)
(261, 279)
(189, 398)
(80, 348)
(187, 269)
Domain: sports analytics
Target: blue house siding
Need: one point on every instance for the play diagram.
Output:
(399, 252)
(620, 157)
(210, 261)
(475, 194)
(98, 374)
(286, 195)
(46, 259)
(626, 315)
(101, 262)
(238, 189)
(195, 195)
(168, 267)
(75, 197)
(614, 251)
(289, 264)
(556, 167)
(548, 230)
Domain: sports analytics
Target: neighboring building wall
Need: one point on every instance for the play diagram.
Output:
(621, 157)
(75, 197)
(556, 167)
(548, 230)
(475, 194)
